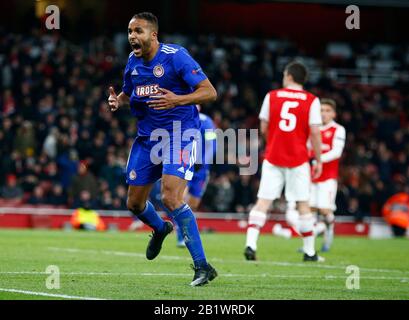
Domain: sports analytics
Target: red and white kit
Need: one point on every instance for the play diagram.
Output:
(324, 188)
(289, 112)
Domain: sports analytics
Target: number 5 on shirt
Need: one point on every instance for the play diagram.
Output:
(288, 120)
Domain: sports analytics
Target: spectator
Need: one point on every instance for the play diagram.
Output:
(354, 210)
(243, 194)
(50, 173)
(38, 196)
(50, 143)
(83, 181)
(25, 141)
(67, 163)
(56, 196)
(117, 204)
(112, 172)
(121, 194)
(106, 201)
(11, 191)
(84, 200)
(224, 195)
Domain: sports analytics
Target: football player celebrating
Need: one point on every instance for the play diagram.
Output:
(162, 85)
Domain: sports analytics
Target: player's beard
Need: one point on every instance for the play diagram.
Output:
(146, 47)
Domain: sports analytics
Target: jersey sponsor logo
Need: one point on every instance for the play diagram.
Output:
(291, 95)
(147, 90)
(132, 175)
(158, 71)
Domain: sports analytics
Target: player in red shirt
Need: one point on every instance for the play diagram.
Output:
(324, 188)
(289, 116)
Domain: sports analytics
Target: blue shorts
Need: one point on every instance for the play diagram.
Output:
(197, 186)
(148, 160)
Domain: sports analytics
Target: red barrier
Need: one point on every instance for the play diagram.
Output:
(58, 221)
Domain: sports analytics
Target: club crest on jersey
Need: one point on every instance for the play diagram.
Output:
(158, 71)
(132, 175)
(328, 134)
(147, 90)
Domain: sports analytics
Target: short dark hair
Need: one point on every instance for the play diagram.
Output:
(330, 102)
(298, 71)
(148, 16)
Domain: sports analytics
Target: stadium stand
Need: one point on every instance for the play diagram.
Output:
(54, 116)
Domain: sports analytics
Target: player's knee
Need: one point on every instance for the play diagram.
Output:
(171, 201)
(135, 206)
(193, 203)
(193, 206)
(303, 207)
(328, 215)
(262, 205)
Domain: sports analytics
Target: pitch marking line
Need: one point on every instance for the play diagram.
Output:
(273, 263)
(44, 294)
(234, 275)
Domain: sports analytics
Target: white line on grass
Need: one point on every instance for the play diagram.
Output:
(233, 275)
(44, 294)
(271, 263)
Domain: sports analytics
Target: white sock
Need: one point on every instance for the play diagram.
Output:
(309, 245)
(306, 229)
(329, 230)
(329, 234)
(257, 220)
(252, 237)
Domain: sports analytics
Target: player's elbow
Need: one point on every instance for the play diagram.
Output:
(212, 94)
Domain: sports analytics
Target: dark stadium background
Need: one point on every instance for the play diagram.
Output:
(365, 71)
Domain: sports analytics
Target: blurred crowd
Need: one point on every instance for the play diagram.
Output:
(61, 146)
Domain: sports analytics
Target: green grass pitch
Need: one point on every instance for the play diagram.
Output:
(113, 266)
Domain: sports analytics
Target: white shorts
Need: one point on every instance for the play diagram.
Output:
(296, 180)
(323, 194)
